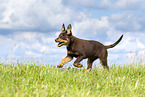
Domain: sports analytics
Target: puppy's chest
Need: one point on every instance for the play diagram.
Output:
(73, 51)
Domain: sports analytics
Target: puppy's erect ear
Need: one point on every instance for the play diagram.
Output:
(63, 27)
(69, 29)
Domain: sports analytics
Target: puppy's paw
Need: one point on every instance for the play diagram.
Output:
(88, 70)
(59, 66)
(78, 65)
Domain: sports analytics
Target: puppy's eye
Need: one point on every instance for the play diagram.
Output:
(62, 35)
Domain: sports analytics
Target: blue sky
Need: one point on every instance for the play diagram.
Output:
(28, 28)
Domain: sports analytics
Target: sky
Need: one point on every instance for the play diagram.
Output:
(28, 28)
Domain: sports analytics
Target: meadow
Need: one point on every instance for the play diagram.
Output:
(29, 80)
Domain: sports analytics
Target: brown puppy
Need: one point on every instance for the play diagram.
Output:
(82, 49)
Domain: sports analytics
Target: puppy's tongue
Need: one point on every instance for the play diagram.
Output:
(60, 44)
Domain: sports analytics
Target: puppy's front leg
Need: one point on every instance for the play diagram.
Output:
(77, 61)
(64, 61)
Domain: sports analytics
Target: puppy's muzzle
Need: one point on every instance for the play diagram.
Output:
(56, 40)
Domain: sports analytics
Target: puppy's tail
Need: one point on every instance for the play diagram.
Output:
(114, 44)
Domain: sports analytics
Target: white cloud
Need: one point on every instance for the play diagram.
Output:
(93, 26)
(112, 26)
(48, 15)
(127, 22)
(22, 14)
(127, 4)
(30, 46)
(106, 4)
(131, 42)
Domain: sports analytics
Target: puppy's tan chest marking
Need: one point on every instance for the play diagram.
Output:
(72, 53)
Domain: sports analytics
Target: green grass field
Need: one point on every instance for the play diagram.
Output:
(44, 81)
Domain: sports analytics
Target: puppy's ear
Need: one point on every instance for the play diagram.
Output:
(69, 29)
(63, 27)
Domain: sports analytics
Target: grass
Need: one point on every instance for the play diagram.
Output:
(33, 81)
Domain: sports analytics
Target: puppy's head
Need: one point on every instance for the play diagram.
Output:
(64, 36)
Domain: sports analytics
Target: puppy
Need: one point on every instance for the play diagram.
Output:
(82, 49)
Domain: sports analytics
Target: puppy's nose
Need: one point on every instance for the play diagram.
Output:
(56, 40)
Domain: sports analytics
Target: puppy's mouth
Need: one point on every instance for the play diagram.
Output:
(61, 44)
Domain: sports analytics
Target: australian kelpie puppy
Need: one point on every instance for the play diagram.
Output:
(82, 49)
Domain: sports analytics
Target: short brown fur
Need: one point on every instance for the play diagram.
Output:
(82, 49)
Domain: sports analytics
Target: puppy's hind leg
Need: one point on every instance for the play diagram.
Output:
(104, 63)
(103, 60)
(89, 63)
